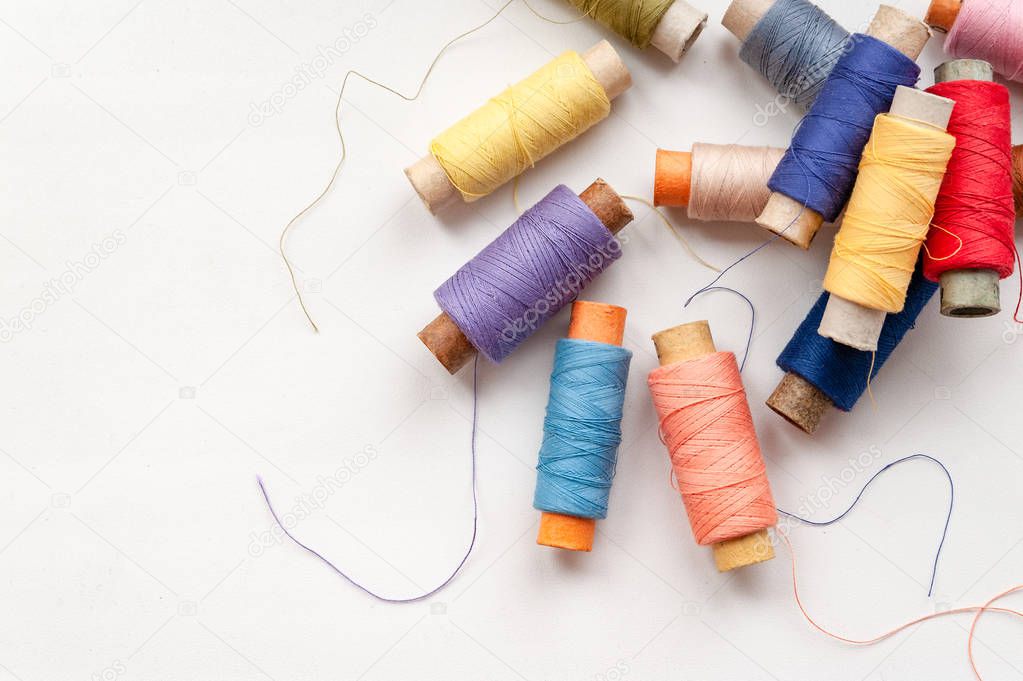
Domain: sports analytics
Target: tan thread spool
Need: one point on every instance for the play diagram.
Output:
(681, 180)
(601, 323)
(850, 323)
(788, 217)
(433, 185)
(968, 293)
(446, 341)
(680, 344)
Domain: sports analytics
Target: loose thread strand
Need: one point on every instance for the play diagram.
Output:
(475, 517)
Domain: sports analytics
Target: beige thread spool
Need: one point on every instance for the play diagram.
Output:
(970, 292)
(446, 341)
(678, 29)
(682, 180)
(680, 344)
(908, 35)
(433, 185)
(850, 323)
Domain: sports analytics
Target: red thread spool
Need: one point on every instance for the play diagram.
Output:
(974, 215)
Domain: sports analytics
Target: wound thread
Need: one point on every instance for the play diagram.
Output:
(974, 215)
(705, 422)
(795, 45)
(582, 428)
(819, 169)
(839, 371)
(729, 182)
(520, 126)
(528, 273)
(634, 20)
(991, 30)
(889, 214)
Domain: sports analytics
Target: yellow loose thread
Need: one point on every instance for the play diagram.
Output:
(635, 20)
(889, 213)
(520, 126)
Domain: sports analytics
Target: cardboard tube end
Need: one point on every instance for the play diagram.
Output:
(941, 14)
(742, 15)
(608, 68)
(607, 205)
(970, 294)
(673, 178)
(852, 324)
(598, 322)
(900, 29)
(432, 185)
(742, 551)
(684, 342)
(447, 343)
(964, 69)
(799, 402)
(791, 220)
(678, 29)
(566, 532)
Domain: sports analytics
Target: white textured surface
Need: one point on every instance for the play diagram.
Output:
(139, 408)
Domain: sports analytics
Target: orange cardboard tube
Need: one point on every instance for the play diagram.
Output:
(673, 178)
(941, 15)
(601, 323)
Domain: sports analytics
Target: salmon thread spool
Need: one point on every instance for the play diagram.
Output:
(525, 276)
(519, 127)
(971, 246)
(582, 427)
(716, 182)
(671, 26)
(875, 252)
(705, 422)
(991, 30)
(814, 180)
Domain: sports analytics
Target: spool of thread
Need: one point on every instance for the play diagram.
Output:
(792, 43)
(814, 180)
(971, 245)
(582, 429)
(991, 30)
(821, 373)
(706, 424)
(888, 218)
(526, 275)
(1017, 177)
(716, 182)
(672, 26)
(522, 125)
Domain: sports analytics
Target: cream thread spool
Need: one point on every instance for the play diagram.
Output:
(451, 346)
(681, 180)
(433, 185)
(850, 323)
(691, 341)
(783, 215)
(974, 292)
(601, 323)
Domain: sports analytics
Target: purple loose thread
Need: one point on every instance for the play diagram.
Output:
(475, 518)
(528, 273)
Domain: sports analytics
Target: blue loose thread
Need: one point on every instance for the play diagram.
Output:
(819, 169)
(841, 372)
(582, 429)
(948, 516)
(475, 517)
(795, 45)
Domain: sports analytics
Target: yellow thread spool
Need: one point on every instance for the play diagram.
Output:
(519, 127)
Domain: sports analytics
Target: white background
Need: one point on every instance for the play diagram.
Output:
(139, 408)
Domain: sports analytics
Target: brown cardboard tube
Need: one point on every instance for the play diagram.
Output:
(680, 344)
(941, 15)
(446, 341)
(799, 402)
(600, 323)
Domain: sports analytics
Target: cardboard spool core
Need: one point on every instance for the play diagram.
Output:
(601, 323)
(673, 178)
(678, 29)
(848, 322)
(680, 344)
(446, 341)
(432, 184)
(968, 293)
(799, 402)
(941, 15)
(788, 217)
